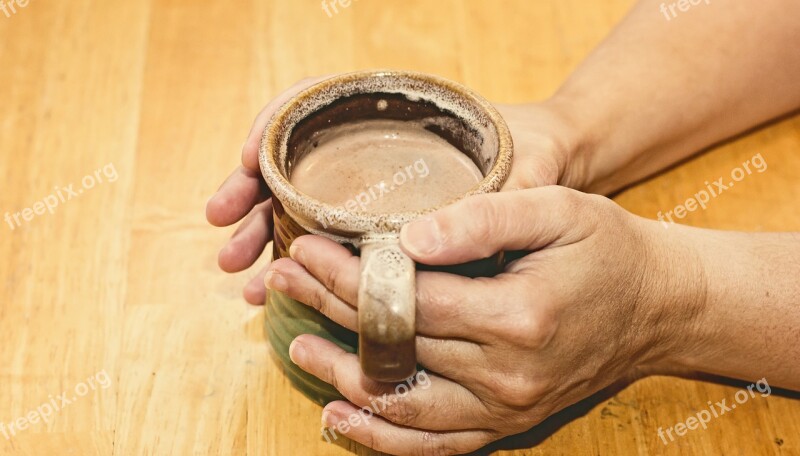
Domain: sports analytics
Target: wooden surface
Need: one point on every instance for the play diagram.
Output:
(122, 279)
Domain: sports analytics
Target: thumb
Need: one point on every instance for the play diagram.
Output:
(482, 225)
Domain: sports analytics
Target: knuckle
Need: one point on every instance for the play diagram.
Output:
(333, 374)
(542, 172)
(484, 220)
(438, 302)
(332, 378)
(583, 211)
(596, 201)
(531, 323)
(373, 440)
(433, 444)
(344, 278)
(333, 278)
(608, 207)
(542, 332)
(517, 390)
(319, 300)
(533, 328)
(401, 411)
(568, 198)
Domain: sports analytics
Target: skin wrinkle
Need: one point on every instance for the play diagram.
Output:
(695, 312)
(641, 300)
(683, 259)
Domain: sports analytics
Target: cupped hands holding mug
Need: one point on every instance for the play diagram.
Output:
(602, 294)
(540, 158)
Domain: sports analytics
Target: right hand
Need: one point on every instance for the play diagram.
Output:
(602, 296)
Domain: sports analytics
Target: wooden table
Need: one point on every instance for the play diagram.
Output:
(120, 283)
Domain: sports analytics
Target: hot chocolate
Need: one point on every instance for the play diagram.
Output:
(383, 166)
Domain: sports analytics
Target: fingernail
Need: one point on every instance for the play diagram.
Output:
(421, 237)
(296, 253)
(330, 419)
(297, 353)
(275, 281)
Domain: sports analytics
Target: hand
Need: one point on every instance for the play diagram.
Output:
(244, 193)
(543, 144)
(603, 294)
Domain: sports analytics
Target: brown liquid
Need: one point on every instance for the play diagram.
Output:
(383, 166)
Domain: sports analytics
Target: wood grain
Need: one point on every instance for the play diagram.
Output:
(122, 278)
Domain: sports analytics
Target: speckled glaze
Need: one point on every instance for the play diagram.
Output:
(449, 109)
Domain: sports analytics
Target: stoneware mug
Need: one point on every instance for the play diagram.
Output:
(386, 296)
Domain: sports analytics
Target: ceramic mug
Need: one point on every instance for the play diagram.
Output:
(386, 297)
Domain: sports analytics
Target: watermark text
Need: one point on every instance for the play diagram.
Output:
(713, 190)
(61, 195)
(44, 412)
(703, 417)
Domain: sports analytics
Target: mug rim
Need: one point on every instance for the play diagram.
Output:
(359, 223)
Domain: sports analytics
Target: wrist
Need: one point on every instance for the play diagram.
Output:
(576, 141)
(746, 324)
(674, 298)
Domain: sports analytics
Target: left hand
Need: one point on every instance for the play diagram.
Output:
(546, 152)
(602, 294)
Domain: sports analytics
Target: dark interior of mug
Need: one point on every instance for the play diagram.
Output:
(479, 144)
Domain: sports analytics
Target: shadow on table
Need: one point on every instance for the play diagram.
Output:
(551, 425)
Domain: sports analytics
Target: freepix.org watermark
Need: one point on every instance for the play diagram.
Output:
(668, 9)
(703, 417)
(9, 7)
(713, 190)
(55, 404)
(331, 7)
(418, 169)
(377, 405)
(61, 195)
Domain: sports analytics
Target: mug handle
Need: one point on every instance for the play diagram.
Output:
(386, 310)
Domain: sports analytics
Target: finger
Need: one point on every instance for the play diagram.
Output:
(448, 305)
(331, 263)
(530, 170)
(240, 192)
(289, 277)
(343, 418)
(254, 292)
(460, 361)
(471, 309)
(539, 153)
(250, 147)
(482, 225)
(426, 401)
(249, 240)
